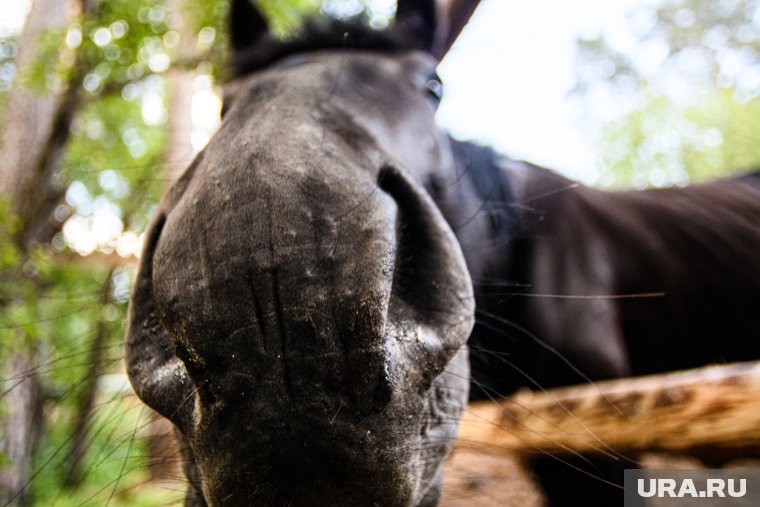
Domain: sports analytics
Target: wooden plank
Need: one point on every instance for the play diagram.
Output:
(708, 412)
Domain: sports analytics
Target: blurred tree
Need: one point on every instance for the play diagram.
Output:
(87, 97)
(90, 98)
(677, 101)
(30, 149)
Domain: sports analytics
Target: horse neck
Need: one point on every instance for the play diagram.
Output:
(482, 208)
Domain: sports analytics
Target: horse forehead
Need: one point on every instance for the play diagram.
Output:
(332, 67)
(408, 60)
(374, 92)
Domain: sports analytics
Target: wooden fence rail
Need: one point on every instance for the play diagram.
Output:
(712, 413)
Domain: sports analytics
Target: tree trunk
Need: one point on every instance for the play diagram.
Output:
(22, 394)
(36, 129)
(179, 147)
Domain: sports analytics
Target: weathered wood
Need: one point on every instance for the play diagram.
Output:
(712, 412)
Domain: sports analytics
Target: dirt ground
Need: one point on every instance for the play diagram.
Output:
(475, 479)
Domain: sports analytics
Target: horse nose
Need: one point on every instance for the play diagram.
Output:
(401, 300)
(304, 281)
(370, 291)
(360, 322)
(315, 311)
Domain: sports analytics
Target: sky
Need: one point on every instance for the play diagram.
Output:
(507, 78)
(14, 13)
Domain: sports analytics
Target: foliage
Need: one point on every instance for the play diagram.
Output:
(284, 17)
(9, 253)
(111, 175)
(662, 143)
(117, 55)
(680, 105)
(16, 305)
(115, 468)
(9, 260)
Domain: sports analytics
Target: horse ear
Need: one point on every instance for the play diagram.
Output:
(247, 24)
(420, 18)
(455, 15)
(437, 23)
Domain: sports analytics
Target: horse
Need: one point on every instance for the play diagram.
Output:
(303, 305)
(301, 308)
(576, 284)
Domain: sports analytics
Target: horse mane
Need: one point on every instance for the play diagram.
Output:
(484, 168)
(750, 176)
(326, 33)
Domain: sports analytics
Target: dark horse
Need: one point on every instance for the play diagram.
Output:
(305, 296)
(580, 284)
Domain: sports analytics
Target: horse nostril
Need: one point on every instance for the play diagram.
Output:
(431, 300)
(424, 261)
(383, 393)
(413, 245)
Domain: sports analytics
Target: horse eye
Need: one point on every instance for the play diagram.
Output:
(434, 88)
